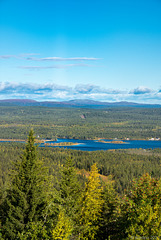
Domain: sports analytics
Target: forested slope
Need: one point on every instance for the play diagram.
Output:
(43, 194)
(122, 165)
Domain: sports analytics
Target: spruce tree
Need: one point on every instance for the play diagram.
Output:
(109, 225)
(69, 188)
(69, 192)
(28, 201)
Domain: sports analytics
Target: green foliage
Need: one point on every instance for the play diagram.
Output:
(123, 165)
(143, 208)
(28, 198)
(34, 231)
(69, 188)
(1, 231)
(29, 208)
(69, 191)
(63, 229)
(109, 224)
(91, 205)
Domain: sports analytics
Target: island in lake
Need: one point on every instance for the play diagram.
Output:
(60, 144)
(12, 140)
(114, 141)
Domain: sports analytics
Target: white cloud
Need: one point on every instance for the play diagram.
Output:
(63, 59)
(54, 92)
(141, 90)
(75, 61)
(54, 66)
(20, 56)
(87, 88)
(55, 59)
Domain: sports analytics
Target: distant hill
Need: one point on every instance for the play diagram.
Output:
(22, 101)
(78, 103)
(92, 102)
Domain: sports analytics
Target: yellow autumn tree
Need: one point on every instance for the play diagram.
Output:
(91, 206)
(63, 229)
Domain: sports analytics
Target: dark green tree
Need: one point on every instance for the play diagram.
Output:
(69, 187)
(109, 223)
(28, 204)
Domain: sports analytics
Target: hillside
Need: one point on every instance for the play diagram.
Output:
(78, 103)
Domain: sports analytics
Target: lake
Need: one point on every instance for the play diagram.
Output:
(94, 145)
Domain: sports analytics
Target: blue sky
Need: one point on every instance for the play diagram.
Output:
(107, 50)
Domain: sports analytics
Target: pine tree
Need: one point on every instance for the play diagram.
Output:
(91, 206)
(28, 202)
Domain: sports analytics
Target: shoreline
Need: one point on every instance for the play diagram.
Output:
(12, 140)
(62, 144)
(103, 140)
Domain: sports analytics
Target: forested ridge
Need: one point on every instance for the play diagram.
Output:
(48, 193)
(80, 123)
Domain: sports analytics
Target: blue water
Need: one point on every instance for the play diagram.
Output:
(94, 145)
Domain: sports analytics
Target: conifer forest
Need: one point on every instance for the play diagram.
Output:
(60, 194)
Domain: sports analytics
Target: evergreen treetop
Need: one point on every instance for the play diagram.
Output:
(28, 198)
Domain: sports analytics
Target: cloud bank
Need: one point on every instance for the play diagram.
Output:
(54, 92)
(56, 59)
